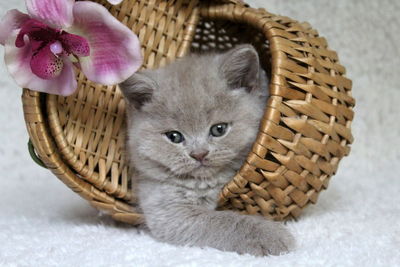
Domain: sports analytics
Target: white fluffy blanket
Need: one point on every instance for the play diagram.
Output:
(355, 223)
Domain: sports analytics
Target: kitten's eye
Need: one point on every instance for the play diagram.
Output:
(175, 137)
(219, 129)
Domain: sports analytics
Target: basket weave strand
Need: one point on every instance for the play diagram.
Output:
(303, 135)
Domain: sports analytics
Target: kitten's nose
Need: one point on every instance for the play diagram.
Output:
(199, 156)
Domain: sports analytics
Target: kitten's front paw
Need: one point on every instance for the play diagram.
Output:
(261, 237)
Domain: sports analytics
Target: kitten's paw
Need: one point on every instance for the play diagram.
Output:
(261, 237)
(274, 238)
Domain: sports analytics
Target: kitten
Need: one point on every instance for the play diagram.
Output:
(190, 127)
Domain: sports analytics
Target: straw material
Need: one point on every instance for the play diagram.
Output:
(303, 135)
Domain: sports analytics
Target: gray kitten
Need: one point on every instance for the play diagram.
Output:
(190, 127)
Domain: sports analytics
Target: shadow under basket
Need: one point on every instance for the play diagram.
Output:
(304, 132)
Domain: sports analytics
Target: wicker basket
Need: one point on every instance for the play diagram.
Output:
(303, 135)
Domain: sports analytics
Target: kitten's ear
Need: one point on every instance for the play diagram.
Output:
(240, 67)
(138, 89)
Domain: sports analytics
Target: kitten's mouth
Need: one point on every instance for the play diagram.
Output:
(204, 169)
(201, 166)
(208, 164)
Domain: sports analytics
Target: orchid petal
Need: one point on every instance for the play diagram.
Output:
(11, 21)
(114, 49)
(114, 2)
(75, 44)
(55, 13)
(45, 64)
(18, 64)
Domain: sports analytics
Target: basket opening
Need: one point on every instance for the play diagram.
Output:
(221, 35)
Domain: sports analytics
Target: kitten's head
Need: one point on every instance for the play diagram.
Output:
(196, 115)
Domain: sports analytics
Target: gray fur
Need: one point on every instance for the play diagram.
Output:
(176, 193)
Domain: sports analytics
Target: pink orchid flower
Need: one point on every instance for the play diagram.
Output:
(41, 48)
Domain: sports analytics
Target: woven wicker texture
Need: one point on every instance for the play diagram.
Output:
(303, 135)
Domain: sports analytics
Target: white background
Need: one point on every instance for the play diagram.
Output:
(355, 223)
